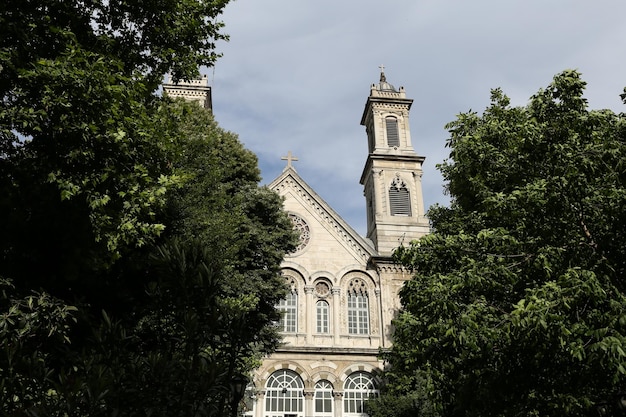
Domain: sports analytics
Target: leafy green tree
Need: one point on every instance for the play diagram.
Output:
(77, 106)
(517, 306)
(133, 224)
(214, 280)
(28, 327)
(163, 329)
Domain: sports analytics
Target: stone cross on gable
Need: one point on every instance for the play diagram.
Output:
(289, 158)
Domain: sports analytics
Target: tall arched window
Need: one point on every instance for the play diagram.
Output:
(359, 388)
(399, 198)
(289, 307)
(323, 399)
(284, 393)
(323, 313)
(358, 308)
(391, 124)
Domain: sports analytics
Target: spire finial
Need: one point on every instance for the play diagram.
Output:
(383, 79)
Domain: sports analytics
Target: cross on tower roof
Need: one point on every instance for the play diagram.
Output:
(289, 158)
(383, 79)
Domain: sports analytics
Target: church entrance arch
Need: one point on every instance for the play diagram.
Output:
(284, 395)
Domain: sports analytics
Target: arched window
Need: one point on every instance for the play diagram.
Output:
(323, 398)
(399, 198)
(358, 308)
(323, 311)
(359, 388)
(289, 307)
(393, 139)
(284, 393)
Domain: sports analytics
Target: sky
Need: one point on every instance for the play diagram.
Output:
(296, 74)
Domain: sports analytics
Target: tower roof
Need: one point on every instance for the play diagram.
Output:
(383, 93)
(383, 85)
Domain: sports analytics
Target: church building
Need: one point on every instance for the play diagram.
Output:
(343, 286)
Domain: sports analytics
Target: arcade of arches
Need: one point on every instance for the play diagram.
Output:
(285, 394)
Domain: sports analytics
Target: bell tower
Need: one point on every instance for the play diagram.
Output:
(392, 176)
(197, 90)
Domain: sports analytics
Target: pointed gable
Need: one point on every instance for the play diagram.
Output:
(329, 242)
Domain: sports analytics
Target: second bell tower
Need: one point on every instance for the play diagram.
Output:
(392, 176)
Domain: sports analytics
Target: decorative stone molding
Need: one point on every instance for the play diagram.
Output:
(326, 375)
(293, 278)
(392, 269)
(383, 108)
(363, 367)
(322, 290)
(324, 215)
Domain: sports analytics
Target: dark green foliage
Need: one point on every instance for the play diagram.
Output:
(33, 333)
(517, 306)
(77, 107)
(162, 329)
(139, 257)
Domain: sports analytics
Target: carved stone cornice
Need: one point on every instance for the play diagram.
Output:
(325, 216)
(386, 265)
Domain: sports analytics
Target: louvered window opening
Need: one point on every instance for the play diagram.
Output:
(393, 138)
(399, 201)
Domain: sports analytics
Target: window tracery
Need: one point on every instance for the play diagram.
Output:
(358, 307)
(358, 388)
(399, 198)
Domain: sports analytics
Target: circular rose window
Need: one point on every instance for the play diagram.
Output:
(321, 289)
(303, 229)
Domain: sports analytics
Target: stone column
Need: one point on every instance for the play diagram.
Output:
(378, 315)
(337, 403)
(259, 403)
(308, 403)
(310, 314)
(336, 310)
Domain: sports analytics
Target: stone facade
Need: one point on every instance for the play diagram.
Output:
(197, 90)
(344, 288)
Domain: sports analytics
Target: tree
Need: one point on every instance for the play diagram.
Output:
(28, 327)
(163, 329)
(214, 280)
(133, 224)
(517, 306)
(77, 106)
